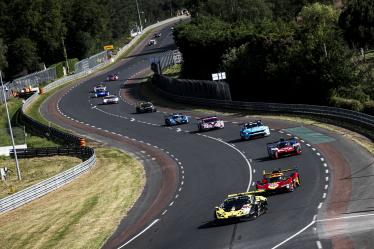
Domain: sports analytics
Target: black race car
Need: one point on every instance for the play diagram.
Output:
(145, 107)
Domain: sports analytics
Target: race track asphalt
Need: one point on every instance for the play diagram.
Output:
(209, 166)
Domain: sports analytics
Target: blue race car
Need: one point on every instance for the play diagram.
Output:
(100, 94)
(254, 129)
(176, 118)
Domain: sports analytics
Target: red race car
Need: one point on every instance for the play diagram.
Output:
(112, 77)
(284, 147)
(278, 181)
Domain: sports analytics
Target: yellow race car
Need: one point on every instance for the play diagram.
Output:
(242, 206)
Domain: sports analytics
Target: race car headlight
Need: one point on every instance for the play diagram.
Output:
(287, 185)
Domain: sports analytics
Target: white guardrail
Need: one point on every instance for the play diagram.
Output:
(38, 190)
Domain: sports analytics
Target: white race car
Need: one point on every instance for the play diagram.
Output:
(152, 42)
(111, 99)
(99, 88)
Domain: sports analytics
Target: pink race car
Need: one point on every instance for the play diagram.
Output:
(210, 123)
(112, 77)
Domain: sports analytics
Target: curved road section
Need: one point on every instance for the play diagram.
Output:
(176, 208)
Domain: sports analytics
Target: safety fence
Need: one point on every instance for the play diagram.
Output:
(34, 79)
(360, 122)
(194, 88)
(38, 190)
(85, 66)
(82, 152)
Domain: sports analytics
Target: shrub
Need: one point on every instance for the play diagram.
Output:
(351, 104)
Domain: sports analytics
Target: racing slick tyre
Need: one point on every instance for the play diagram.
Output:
(292, 188)
(276, 155)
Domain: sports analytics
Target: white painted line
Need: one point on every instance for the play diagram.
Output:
(167, 152)
(182, 171)
(254, 171)
(253, 183)
(326, 171)
(319, 245)
(320, 205)
(163, 213)
(155, 146)
(179, 129)
(293, 236)
(133, 139)
(181, 167)
(145, 229)
(308, 145)
(172, 155)
(326, 186)
(324, 196)
(322, 159)
(318, 154)
(180, 189)
(327, 178)
(182, 176)
(314, 149)
(314, 217)
(132, 119)
(93, 126)
(325, 164)
(245, 158)
(148, 144)
(176, 159)
(114, 133)
(179, 163)
(171, 203)
(288, 134)
(182, 182)
(281, 131)
(176, 196)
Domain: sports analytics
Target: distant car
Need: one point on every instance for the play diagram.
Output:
(176, 118)
(253, 129)
(110, 99)
(145, 107)
(157, 35)
(279, 181)
(99, 88)
(100, 94)
(112, 77)
(284, 147)
(248, 205)
(210, 123)
(152, 42)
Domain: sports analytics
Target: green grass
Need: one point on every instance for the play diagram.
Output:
(129, 50)
(173, 71)
(33, 170)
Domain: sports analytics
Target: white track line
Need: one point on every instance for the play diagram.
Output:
(145, 229)
(241, 153)
(293, 236)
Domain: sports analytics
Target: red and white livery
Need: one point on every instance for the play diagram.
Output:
(209, 123)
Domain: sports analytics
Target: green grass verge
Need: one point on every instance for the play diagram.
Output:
(33, 170)
(97, 201)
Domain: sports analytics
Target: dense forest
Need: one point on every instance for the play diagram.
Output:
(32, 32)
(291, 51)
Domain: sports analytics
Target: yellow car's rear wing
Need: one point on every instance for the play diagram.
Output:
(255, 192)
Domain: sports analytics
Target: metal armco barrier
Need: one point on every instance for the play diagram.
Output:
(356, 120)
(38, 190)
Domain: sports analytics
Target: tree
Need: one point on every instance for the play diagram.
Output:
(357, 21)
(3, 51)
(22, 56)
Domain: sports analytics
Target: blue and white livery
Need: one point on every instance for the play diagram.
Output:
(176, 118)
(254, 129)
